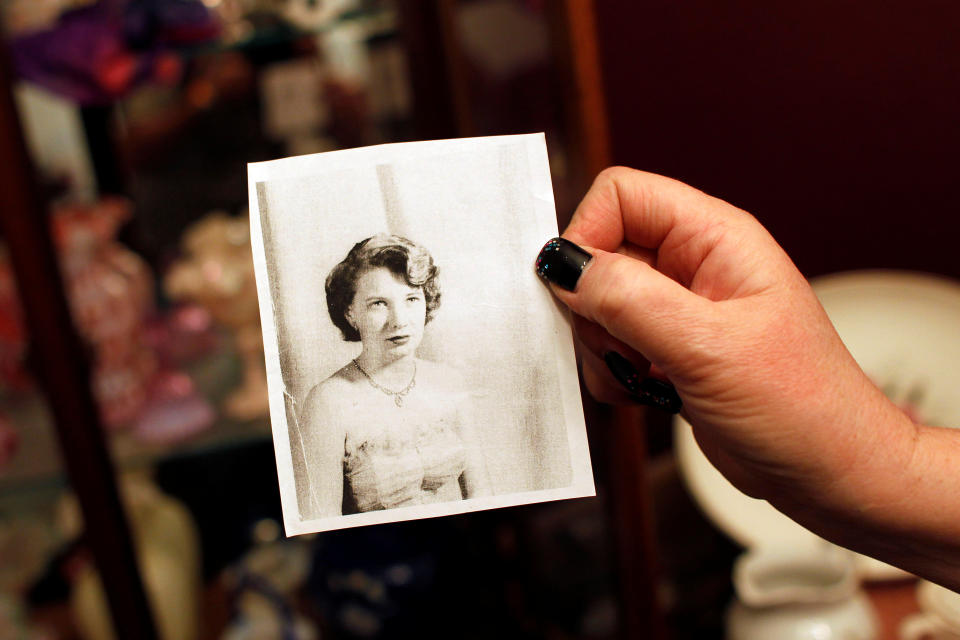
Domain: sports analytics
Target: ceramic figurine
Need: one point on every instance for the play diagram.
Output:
(182, 336)
(110, 290)
(168, 554)
(800, 593)
(111, 296)
(174, 411)
(310, 14)
(216, 271)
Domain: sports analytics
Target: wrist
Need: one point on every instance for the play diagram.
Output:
(897, 500)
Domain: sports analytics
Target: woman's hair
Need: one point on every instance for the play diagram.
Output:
(402, 257)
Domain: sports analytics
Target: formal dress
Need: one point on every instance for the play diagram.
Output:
(392, 466)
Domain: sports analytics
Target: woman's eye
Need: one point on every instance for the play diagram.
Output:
(378, 303)
(413, 299)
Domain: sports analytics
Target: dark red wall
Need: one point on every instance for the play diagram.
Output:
(836, 123)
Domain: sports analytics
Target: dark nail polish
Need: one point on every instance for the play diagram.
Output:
(623, 370)
(561, 262)
(646, 391)
(660, 394)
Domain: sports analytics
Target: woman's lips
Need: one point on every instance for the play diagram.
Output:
(398, 340)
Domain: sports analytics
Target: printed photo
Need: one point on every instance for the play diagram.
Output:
(417, 367)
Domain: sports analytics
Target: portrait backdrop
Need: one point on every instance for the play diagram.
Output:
(483, 208)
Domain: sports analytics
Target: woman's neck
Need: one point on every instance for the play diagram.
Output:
(394, 374)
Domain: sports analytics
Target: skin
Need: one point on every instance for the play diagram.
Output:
(697, 292)
(390, 316)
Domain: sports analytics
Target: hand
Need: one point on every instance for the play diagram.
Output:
(691, 289)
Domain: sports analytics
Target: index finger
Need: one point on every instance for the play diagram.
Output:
(627, 206)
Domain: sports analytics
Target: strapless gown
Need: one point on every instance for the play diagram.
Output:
(385, 468)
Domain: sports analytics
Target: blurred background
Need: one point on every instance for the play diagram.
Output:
(125, 129)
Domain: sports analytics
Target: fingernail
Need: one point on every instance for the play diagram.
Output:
(647, 391)
(660, 394)
(623, 370)
(561, 262)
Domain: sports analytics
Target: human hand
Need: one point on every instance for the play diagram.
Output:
(687, 288)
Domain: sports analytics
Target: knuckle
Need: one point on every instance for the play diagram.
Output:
(608, 182)
(613, 173)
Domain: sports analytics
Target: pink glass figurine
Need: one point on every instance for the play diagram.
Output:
(216, 271)
(110, 290)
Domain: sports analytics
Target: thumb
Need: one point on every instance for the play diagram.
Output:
(633, 301)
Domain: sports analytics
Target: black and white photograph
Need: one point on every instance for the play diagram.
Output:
(417, 367)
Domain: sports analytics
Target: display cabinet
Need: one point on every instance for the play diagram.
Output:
(124, 172)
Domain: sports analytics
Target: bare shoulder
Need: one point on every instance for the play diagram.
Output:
(331, 393)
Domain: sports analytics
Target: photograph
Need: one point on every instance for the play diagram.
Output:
(417, 366)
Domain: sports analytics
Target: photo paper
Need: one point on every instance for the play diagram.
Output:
(416, 365)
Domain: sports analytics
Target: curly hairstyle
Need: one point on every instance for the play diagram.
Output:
(404, 258)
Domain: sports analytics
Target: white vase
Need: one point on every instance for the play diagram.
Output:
(802, 593)
(939, 618)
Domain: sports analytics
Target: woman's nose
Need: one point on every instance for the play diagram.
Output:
(398, 317)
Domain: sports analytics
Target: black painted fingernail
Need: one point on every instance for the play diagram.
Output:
(561, 262)
(660, 394)
(623, 370)
(646, 391)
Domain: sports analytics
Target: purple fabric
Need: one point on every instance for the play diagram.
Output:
(98, 53)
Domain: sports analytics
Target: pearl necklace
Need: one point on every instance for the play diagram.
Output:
(397, 395)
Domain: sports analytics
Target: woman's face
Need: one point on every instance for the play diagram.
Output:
(388, 313)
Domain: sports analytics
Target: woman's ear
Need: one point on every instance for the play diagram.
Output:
(348, 315)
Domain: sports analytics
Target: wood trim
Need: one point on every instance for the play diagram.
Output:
(456, 69)
(632, 518)
(63, 371)
(440, 94)
(575, 35)
(591, 103)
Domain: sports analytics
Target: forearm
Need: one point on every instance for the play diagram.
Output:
(922, 509)
(901, 504)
